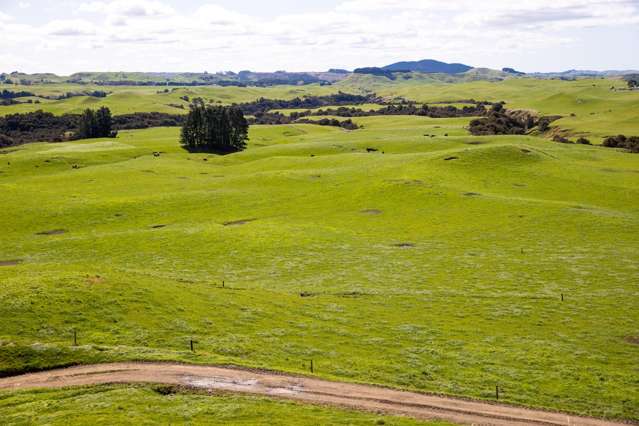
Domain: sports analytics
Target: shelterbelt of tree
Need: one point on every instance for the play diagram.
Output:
(300, 388)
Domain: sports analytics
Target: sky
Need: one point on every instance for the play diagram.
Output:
(70, 36)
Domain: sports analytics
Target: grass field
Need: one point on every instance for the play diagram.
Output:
(436, 263)
(145, 405)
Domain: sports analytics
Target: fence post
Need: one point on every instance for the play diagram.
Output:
(497, 392)
(192, 350)
(311, 366)
(75, 337)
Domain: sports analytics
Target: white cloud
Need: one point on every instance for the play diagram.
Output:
(135, 33)
(24, 4)
(70, 27)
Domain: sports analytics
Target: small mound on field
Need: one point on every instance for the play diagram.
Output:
(472, 194)
(13, 262)
(238, 222)
(404, 245)
(372, 211)
(53, 232)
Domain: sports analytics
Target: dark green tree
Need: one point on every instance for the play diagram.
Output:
(95, 124)
(88, 125)
(104, 122)
(213, 128)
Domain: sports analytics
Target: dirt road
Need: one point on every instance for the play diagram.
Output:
(313, 391)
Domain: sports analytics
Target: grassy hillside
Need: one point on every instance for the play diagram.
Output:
(436, 263)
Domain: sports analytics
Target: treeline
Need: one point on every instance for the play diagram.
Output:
(345, 124)
(449, 111)
(263, 105)
(144, 120)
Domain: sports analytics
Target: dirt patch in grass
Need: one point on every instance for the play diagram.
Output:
(238, 222)
(354, 294)
(372, 212)
(526, 151)
(404, 245)
(53, 232)
(475, 143)
(158, 226)
(472, 194)
(12, 262)
(633, 339)
(451, 158)
(94, 279)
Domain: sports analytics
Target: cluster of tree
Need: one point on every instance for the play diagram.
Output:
(345, 124)
(263, 105)
(633, 83)
(8, 94)
(500, 121)
(213, 128)
(631, 143)
(144, 120)
(37, 126)
(96, 124)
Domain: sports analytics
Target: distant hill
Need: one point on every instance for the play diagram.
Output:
(428, 66)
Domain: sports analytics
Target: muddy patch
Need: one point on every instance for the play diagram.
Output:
(353, 294)
(372, 212)
(238, 222)
(94, 279)
(53, 232)
(12, 262)
(406, 181)
(404, 245)
(451, 158)
(632, 339)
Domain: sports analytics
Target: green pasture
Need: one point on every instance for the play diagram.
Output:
(435, 263)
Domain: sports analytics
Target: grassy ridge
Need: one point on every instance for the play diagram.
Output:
(434, 264)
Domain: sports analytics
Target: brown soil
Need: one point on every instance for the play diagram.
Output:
(238, 222)
(371, 211)
(13, 262)
(53, 232)
(404, 245)
(303, 389)
(633, 339)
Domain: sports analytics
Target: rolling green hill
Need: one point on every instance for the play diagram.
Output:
(435, 263)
